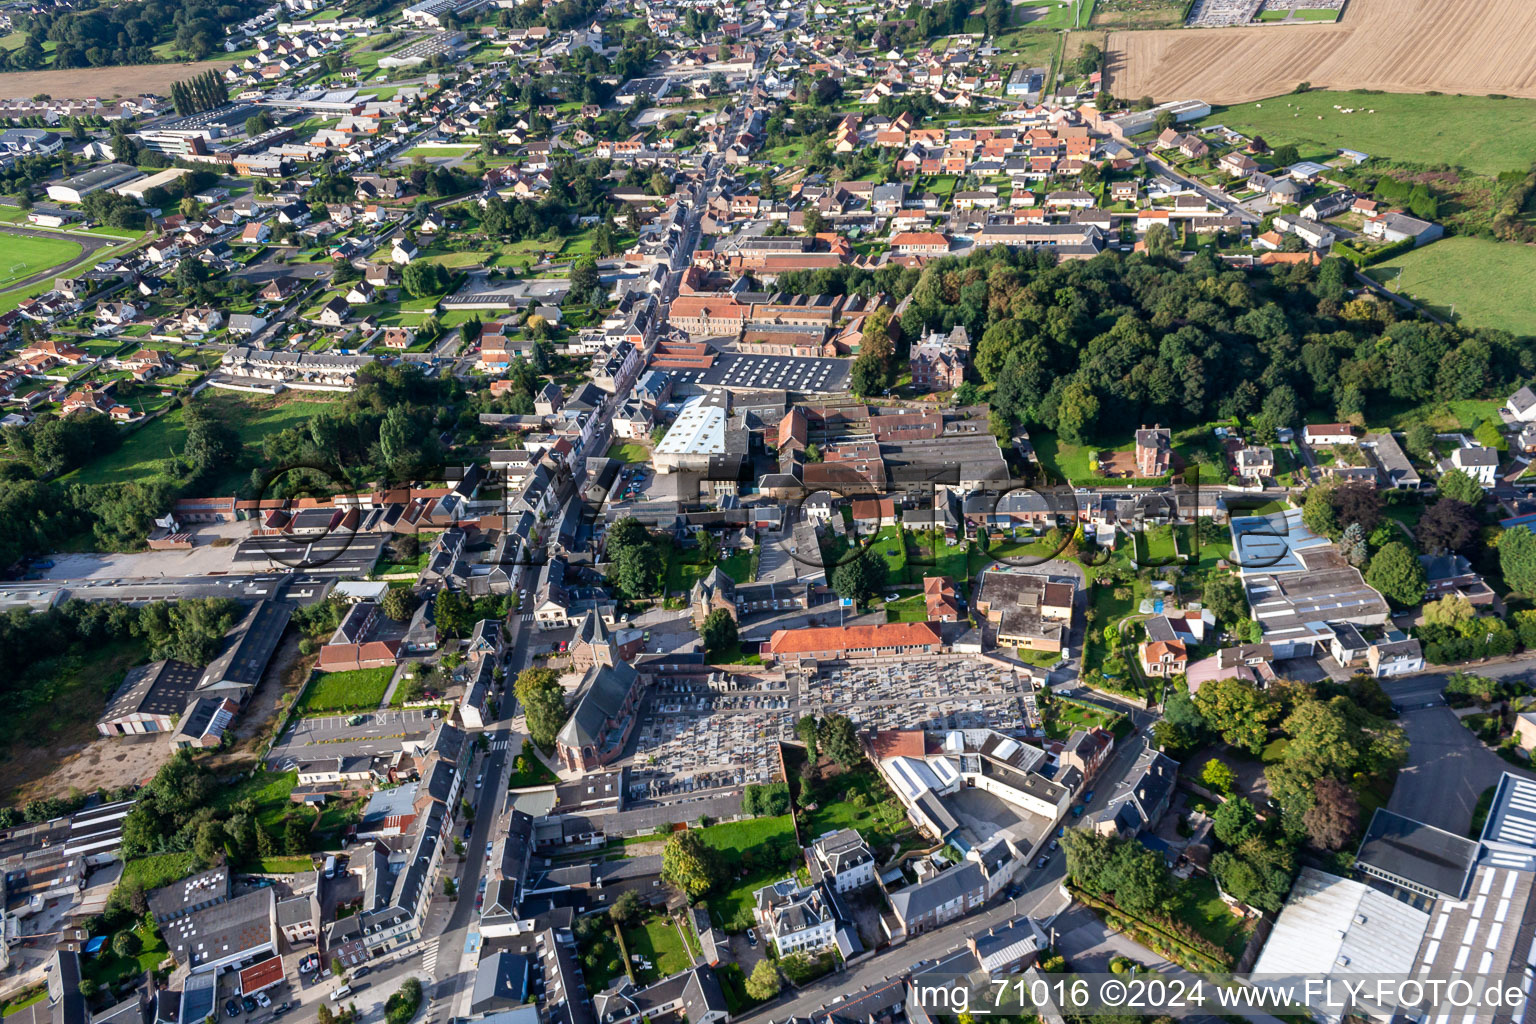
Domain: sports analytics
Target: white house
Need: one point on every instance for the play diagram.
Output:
(844, 860)
(1328, 433)
(797, 919)
(1481, 464)
(1521, 406)
(1395, 657)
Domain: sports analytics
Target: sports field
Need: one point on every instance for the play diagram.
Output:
(1489, 284)
(1475, 133)
(1413, 46)
(21, 256)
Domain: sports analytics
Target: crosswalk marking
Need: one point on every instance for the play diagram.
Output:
(429, 957)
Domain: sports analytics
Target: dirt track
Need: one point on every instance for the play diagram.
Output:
(102, 83)
(1470, 46)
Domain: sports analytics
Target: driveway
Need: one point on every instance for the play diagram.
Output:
(1448, 767)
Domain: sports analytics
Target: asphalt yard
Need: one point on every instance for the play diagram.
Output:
(379, 732)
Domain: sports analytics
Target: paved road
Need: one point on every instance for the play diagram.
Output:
(1222, 202)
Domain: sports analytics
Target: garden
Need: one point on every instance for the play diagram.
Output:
(357, 690)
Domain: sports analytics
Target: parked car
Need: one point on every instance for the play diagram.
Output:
(232, 1007)
(249, 1004)
(263, 1000)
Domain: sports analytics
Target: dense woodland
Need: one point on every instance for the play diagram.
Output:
(1092, 349)
(101, 36)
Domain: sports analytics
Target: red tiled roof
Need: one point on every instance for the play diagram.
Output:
(843, 638)
(262, 975)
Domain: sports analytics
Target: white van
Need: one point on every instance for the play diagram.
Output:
(341, 993)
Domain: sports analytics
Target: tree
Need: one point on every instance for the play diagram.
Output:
(718, 631)
(1517, 559)
(1353, 544)
(1447, 525)
(1137, 878)
(421, 279)
(1223, 596)
(584, 277)
(690, 865)
(763, 983)
(398, 604)
(1237, 711)
(1334, 816)
(837, 737)
(1235, 822)
(1218, 776)
(805, 728)
(1317, 513)
(625, 908)
(295, 838)
(638, 570)
(1397, 574)
(1450, 611)
(1458, 485)
(126, 944)
(543, 701)
(860, 577)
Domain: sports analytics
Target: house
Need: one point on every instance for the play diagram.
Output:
(796, 918)
(1397, 656)
(1194, 148)
(1521, 406)
(1163, 658)
(1399, 227)
(871, 514)
(335, 312)
(1254, 462)
(1330, 205)
(1142, 798)
(842, 860)
(1319, 434)
(1478, 462)
(1238, 164)
(1450, 575)
(941, 600)
(1154, 451)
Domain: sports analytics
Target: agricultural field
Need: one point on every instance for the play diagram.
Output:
(1474, 276)
(1475, 47)
(1475, 133)
(26, 255)
(106, 82)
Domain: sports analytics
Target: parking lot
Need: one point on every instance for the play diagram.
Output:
(380, 732)
(792, 373)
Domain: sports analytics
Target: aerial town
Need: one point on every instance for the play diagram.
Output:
(694, 511)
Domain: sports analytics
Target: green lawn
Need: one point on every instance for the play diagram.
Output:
(285, 865)
(359, 690)
(1201, 907)
(1155, 547)
(929, 555)
(757, 851)
(629, 451)
(253, 416)
(658, 941)
(26, 255)
(155, 871)
(1482, 135)
(836, 809)
(268, 791)
(738, 566)
(1481, 282)
(527, 771)
(907, 609)
(1064, 716)
(16, 296)
(890, 545)
(107, 969)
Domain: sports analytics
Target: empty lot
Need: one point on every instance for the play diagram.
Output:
(1473, 46)
(104, 83)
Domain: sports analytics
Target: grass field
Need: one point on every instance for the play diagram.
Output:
(1138, 14)
(1476, 133)
(659, 942)
(756, 852)
(268, 791)
(629, 451)
(359, 690)
(25, 255)
(253, 416)
(1490, 284)
(155, 871)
